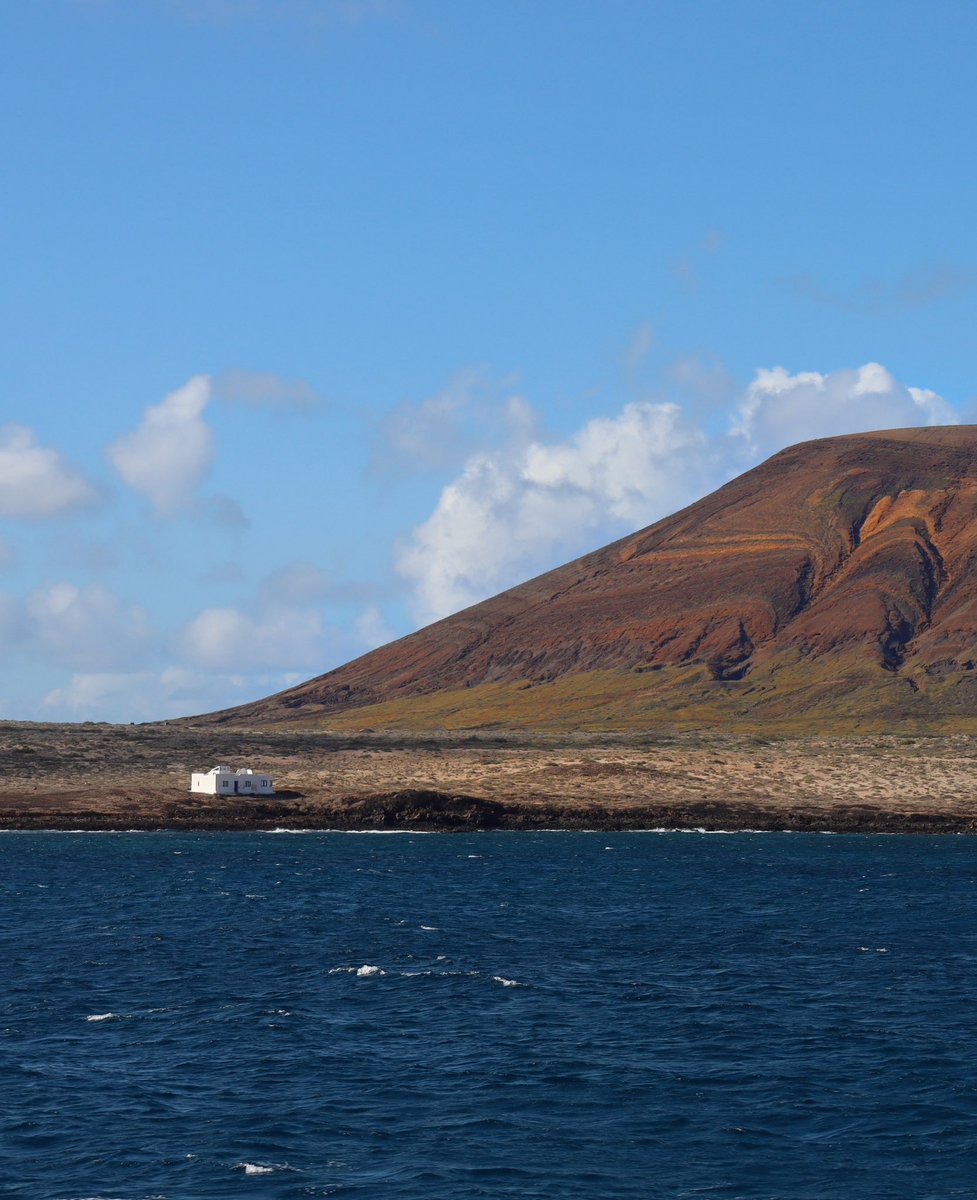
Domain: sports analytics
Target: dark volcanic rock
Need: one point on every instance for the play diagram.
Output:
(419, 809)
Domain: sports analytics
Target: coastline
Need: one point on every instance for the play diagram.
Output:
(427, 812)
(112, 777)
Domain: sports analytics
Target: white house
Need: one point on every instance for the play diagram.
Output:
(225, 781)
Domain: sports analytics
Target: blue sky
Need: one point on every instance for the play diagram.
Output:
(324, 318)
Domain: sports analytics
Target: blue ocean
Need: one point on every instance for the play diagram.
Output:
(552, 1015)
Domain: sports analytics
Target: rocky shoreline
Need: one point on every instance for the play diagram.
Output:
(425, 811)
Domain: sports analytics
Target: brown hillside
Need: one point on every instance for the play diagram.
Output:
(835, 585)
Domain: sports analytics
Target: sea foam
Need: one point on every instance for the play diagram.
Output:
(255, 1169)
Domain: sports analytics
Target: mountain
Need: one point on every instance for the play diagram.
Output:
(831, 588)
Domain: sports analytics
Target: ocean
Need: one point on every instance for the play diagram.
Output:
(551, 1015)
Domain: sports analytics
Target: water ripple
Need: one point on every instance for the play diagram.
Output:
(511, 1015)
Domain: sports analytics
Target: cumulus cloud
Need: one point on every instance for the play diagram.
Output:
(264, 389)
(283, 628)
(167, 457)
(36, 481)
(779, 408)
(221, 657)
(149, 695)
(513, 512)
(516, 511)
(86, 627)
(229, 639)
(106, 695)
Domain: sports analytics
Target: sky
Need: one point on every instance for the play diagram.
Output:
(323, 319)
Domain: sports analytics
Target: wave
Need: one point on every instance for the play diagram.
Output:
(378, 832)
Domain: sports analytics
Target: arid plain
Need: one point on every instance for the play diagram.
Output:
(126, 777)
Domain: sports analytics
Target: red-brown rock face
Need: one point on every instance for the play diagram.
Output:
(837, 566)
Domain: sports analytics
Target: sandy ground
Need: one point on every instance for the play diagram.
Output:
(60, 775)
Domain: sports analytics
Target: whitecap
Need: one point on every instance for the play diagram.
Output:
(255, 1169)
(366, 970)
(430, 928)
(506, 982)
(110, 1016)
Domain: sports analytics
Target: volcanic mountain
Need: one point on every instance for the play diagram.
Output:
(833, 587)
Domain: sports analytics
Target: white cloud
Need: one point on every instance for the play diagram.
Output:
(780, 409)
(36, 481)
(149, 696)
(282, 629)
(167, 457)
(514, 512)
(106, 695)
(86, 627)
(228, 639)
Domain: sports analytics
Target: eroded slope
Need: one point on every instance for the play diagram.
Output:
(835, 582)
